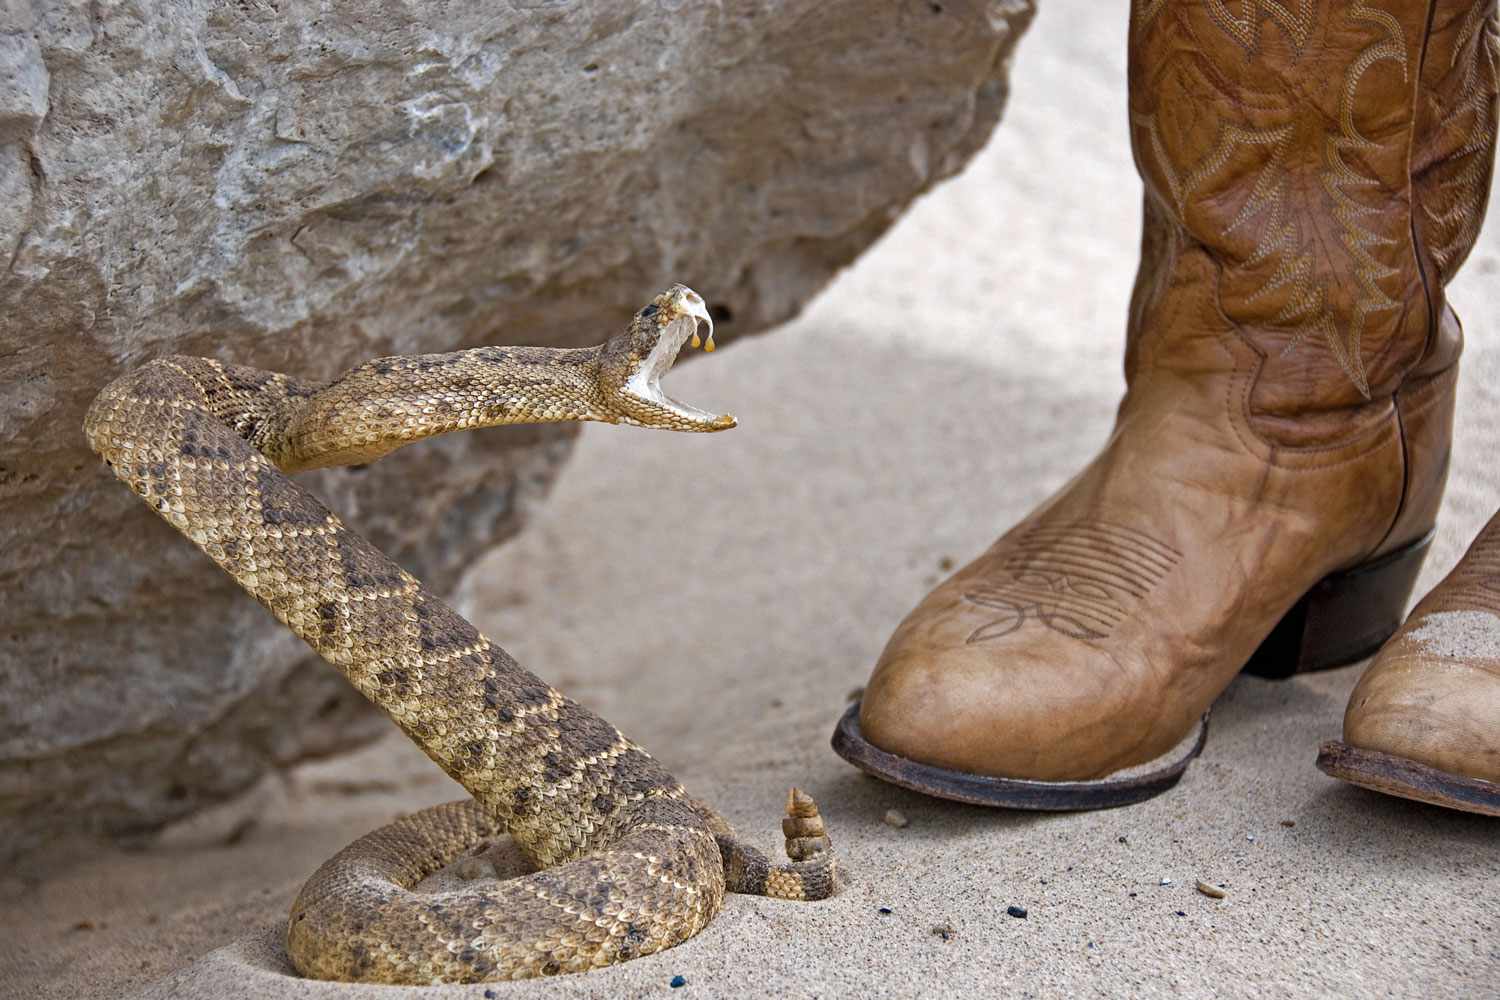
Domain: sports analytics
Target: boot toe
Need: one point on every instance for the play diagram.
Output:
(1440, 711)
(1021, 706)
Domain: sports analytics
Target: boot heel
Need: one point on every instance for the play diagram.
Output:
(1344, 618)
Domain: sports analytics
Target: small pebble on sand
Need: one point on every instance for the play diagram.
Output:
(884, 911)
(1211, 891)
(1165, 881)
(1016, 911)
(677, 982)
(1288, 823)
(945, 931)
(896, 818)
(1181, 913)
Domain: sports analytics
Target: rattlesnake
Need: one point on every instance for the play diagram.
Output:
(628, 863)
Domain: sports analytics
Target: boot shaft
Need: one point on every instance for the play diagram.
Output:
(1315, 172)
(1453, 152)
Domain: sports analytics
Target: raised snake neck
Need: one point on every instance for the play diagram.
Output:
(629, 864)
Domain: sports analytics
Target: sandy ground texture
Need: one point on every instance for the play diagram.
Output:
(953, 378)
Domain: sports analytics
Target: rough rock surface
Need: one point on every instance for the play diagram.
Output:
(300, 186)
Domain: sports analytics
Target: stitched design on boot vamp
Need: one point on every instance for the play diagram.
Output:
(1080, 580)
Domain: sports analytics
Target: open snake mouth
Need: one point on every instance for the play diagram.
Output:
(682, 313)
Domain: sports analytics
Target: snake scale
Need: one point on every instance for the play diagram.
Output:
(627, 863)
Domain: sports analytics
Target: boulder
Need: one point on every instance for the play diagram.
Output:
(301, 186)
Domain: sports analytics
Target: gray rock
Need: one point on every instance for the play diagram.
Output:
(300, 186)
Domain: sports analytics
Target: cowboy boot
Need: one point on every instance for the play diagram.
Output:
(1268, 493)
(1424, 720)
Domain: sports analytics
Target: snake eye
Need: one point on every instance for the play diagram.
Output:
(649, 311)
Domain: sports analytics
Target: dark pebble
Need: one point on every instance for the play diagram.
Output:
(1181, 914)
(884, 911)
(678, 981)
(1016, 911)
(1123, 840)
(489, 995)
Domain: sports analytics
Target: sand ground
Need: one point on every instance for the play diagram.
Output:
(955, 376)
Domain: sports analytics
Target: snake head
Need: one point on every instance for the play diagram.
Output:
(633, 362)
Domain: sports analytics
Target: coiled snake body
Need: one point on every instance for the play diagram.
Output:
(628, 863)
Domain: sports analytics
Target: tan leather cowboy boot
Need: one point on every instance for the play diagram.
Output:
(1424, 720)
(1314, 173)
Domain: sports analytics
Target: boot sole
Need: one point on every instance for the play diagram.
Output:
(1344, 618)
(1408, 779)
(1127, 787)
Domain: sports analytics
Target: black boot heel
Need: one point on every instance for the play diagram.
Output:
(1345, 617)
